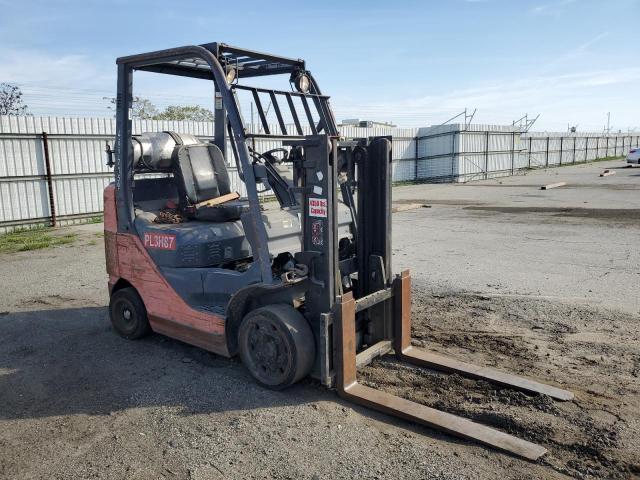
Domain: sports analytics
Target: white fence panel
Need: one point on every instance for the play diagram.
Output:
(452, 152)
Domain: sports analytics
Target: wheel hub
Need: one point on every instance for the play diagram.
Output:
(276, 345)
(127, 314)
(269, 352)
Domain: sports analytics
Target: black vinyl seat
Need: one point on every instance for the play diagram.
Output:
(201, 175)
(201, 172)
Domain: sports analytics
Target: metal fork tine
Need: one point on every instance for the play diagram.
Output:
(349, 388)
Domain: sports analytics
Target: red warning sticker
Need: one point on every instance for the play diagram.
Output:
(160, 241)
(318, 207)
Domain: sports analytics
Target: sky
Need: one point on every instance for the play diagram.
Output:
(413, 63)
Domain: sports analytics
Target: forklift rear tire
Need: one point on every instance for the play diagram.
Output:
(276, 345)
(128, 314)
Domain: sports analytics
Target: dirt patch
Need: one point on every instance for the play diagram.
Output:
(424, 201)
(594, 353)
(613, 215)
(54, 300)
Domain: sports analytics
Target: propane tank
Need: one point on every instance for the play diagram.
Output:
(157, 151)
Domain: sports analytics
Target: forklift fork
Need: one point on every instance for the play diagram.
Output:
(349, 388)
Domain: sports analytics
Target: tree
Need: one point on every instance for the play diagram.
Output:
(145, 109)
(185, 112)
(140, 107)
(11, 102)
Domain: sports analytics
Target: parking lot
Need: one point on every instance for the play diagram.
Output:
(542, 283)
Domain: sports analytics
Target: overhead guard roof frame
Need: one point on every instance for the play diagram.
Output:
(248, 63)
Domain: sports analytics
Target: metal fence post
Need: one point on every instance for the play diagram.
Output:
(586, 148)
(598, 147)
(415, 173)
(561, 145)
(513, 151)
(546, 161)
(453, 153)
(530, 141)
(486, 156)
(47, 165)
(574, 150)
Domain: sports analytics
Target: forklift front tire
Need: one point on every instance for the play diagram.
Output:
(128, 314)
(276, 345)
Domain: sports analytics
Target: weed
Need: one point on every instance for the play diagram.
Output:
(24, 239)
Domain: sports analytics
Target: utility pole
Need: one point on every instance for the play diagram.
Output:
(608, 123)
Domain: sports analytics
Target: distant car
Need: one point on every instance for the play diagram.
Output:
(634, 156)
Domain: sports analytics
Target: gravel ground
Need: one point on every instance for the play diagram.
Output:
(592, 352)
(576, 244)
(76, 401)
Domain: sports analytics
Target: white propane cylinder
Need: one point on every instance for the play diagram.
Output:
(158, 150)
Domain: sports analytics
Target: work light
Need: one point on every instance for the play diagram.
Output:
(302, 83)
(231, 74)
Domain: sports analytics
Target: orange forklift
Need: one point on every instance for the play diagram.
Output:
(302, 286)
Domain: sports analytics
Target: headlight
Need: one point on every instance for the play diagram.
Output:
(302, 83)
(231, 74)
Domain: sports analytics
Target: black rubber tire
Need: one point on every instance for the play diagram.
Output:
(128, 314)
(276, 345)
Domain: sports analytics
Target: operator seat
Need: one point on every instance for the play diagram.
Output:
(200, 175)
(211, 235)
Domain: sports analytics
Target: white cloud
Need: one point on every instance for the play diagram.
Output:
(551, 8)
(30, 66)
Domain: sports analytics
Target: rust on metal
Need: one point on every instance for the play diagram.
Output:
(402, 311)
(446, 422)
(346, 343)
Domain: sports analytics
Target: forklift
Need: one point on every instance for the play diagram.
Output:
(301, 286)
